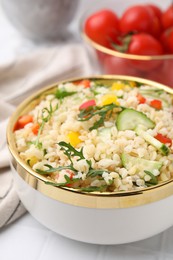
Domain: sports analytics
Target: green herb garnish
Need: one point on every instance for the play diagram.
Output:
(62, 93)
(46, 115)
(56, 169)
(63, 184)
(94, 173)
(86, 114)
(69, 150)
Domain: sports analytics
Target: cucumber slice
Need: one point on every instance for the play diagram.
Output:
(153, 141)
(129, 161)
(152, 95)
(129, 119)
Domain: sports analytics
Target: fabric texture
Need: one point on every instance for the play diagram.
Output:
(17, 81)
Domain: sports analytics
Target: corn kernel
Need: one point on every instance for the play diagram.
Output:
(108, 99)
(73, 138)
(117, 86)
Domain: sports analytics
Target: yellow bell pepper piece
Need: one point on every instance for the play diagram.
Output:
(132, 84)
(73, 138)
(117, 86)
(109, 99)
(121, 85)
(33, 160)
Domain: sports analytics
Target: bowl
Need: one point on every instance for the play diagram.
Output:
(109, 61)
(92, 217)
(45, 20)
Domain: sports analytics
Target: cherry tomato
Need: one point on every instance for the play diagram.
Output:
(156, 10)
(156, 26)
(167, 40)
(103, 27)
(145, 44)
(167, 17)
(136, 18)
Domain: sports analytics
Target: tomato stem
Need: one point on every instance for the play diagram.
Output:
(125, 43)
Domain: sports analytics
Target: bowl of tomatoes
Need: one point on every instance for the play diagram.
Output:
(131, 38)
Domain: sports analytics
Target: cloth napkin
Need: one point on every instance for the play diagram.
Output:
(18, 80)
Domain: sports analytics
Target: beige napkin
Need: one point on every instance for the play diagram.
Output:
(18, 80)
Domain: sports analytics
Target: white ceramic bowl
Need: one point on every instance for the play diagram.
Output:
(99, 218)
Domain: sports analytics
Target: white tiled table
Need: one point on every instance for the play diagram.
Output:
(26, 239)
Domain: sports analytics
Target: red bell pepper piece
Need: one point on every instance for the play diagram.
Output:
(141, 99)
(22, 121)
(88, 104)
(163, 139)
(156, 103)
(84, 82)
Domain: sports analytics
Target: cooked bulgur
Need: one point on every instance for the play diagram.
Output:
(100, 136)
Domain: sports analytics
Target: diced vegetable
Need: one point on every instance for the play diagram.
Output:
(88, 104)
(163, 139)
(153, 180)
(157, 104)
(109, 99)
(85, 82)
(153, 141)
(22, 121)
(129, 161)
(129, 119)
(141, 99)
(74, 139)
(35, 128)
(154, 94)
(105, 134)
(33, 160)
(117, 86)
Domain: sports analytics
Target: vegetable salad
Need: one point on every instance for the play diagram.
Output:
(99, 136)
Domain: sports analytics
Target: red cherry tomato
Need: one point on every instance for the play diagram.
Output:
(167, 40)
(156, 26)
(103, 27)
(144, 44)
(167, 17)
(156, 10)
(136, 18)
